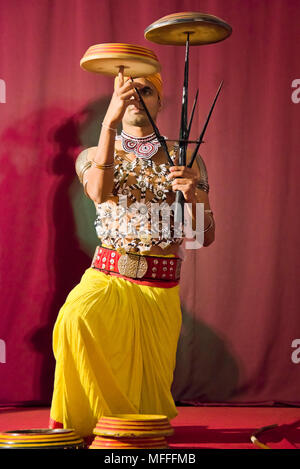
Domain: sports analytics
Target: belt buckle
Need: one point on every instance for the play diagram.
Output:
(132, 265)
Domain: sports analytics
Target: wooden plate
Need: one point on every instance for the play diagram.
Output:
(101, 442)
(133, 425)
(108, 58)
(173, 29)
(41, 438)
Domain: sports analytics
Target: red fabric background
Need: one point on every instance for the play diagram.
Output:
(240, 296)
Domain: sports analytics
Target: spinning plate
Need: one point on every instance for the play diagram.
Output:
(107, 58)
(173, 29)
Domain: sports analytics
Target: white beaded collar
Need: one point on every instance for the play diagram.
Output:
(142, 147)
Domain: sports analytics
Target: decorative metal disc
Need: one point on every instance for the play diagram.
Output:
(202, 29)
(132, 265)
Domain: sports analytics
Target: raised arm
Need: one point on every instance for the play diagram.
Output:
(98, 177)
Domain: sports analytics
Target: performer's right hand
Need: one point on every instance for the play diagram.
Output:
(123, 96)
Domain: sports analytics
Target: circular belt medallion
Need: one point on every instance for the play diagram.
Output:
(132, 265)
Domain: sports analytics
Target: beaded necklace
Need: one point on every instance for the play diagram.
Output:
(142, 147)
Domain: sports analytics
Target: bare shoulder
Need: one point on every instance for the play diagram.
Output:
(85, 155)
(90, 152)
(199, 166)
(83, 161)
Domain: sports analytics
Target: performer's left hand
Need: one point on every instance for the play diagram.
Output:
(185, 180)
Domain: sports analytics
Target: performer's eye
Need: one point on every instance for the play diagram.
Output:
(146, 91)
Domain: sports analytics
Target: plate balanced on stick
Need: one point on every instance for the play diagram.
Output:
(135, 61)
(185, 29)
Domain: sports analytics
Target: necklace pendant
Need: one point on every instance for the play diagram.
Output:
(142, 147)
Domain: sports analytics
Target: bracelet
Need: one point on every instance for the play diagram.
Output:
(102, 166)
(108, 128)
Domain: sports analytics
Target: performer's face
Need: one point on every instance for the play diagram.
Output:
(135, 114)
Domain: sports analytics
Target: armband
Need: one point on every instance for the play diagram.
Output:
(203, 181)
(82, 164)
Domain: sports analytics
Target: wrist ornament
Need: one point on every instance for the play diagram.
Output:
(107, 127)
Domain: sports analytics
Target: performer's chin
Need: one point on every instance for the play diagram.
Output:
(138, 119)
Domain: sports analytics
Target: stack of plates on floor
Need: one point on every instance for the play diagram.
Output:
(43, 438)
(132, 431)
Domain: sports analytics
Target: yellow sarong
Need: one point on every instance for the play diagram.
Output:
(115, 345)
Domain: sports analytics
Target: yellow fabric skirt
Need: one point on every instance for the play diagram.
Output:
(115, 345)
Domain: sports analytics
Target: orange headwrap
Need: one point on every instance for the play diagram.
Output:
(156, 81)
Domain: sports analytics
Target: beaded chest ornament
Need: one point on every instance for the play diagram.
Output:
(142, 147)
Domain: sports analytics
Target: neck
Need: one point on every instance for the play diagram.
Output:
(138, 131)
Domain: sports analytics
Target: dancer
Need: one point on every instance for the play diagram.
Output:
(115, 337)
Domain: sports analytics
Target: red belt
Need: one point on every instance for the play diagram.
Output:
(158, 271)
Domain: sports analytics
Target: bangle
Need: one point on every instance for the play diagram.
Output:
(102, 166)
(108, 128)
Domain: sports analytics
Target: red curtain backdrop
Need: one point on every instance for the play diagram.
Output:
(240, 296)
